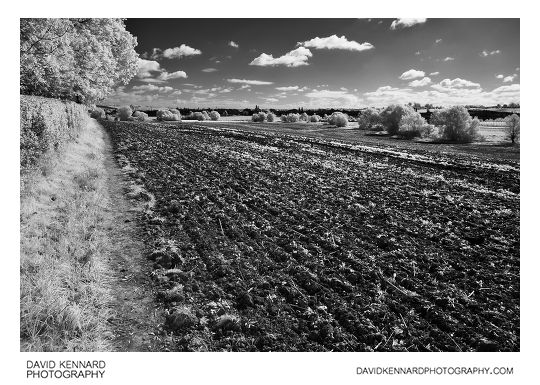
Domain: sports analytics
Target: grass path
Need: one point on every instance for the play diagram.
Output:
(83, 278)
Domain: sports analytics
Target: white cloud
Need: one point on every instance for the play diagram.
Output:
(412, 74)
(250, 82)
(420, 82)
(152, 88)
(448, 58)
(418, 53)
(146, 67)
(485, 53)
(434, 73)
(295, 58)
(332, 98)
(509, 78)
(288, 88)
(335, 42)
(456, 84)
(500, 76)
(209, 70)
(272, 100)
(233, 44)
(178, 52)
(173, 75)
(438, 41)
(406, 22)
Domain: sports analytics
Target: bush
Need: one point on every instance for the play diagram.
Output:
(369, 119)
(214, 115)
(456, 124)
(290, 118)
(413, 125)
(304, 117)
(124, 112)
(270, 117)
(258, 117)
(512, 127)
(338, 119)
(97, 113)
(314, 118)
(46, 125)
(391, 116)
(140, 116)
(165, 115)
(205, 115)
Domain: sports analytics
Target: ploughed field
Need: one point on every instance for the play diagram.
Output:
(267, 241)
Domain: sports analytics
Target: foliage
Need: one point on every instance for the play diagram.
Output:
(413, 125)
(290, 118)
(46, 124)
(214, 115)
(314, 118)
(304, 117)
(97, 113)
(391, 116)
(259, 117)
(205, 115)
(140, 116)
(197, 116)
(82, 60)
(338, 119)
(512, 127)
(456, 125)
(369, 119)
(165, 115)
(124, 113)
(270, 117)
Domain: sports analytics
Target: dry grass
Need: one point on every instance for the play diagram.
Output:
(63, 249)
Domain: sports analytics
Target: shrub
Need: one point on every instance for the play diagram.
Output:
(369, 119)
(456, 124)
(197, 116)
(214, 115)
(259, 117)
(304, 117)
(124, 112)
(391, 116)
(205, 115)
(140, 116)
(290, 118)
(338, 119)
(314, 118)
(46, 124)
(413, 125)
(512, 127)
(97, 113)
(270, 117)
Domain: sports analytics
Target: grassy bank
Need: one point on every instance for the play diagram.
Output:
(63, 248)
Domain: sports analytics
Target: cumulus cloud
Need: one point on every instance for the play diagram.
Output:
(420, 82)
(271, 100)
(152, 88)
(485, 53)
(288, 88)
(407, 22)
(434, 73)
(181, 51)
(173, 75)
(335, 42)
(250, 82)
(417, 53)
(233, 44)
(509, 78)
(448, 58)
(438, 41)
(146, 67)
(455, 84)
(412, 74)
(500, 76)
(209, 70)
(295, 58)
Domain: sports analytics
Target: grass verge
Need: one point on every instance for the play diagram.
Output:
(63, 299)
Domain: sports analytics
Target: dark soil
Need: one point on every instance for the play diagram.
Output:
(268, 241)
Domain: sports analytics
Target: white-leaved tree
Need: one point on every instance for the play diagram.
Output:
(76, 59)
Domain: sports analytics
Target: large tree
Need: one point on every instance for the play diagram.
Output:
(77, 59)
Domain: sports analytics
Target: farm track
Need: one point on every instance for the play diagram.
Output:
(280, 242)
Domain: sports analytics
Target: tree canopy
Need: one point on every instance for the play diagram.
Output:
(77, 59)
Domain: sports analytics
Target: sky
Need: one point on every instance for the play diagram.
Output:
(313, 63)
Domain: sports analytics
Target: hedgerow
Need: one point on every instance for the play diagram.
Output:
(46, 124)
